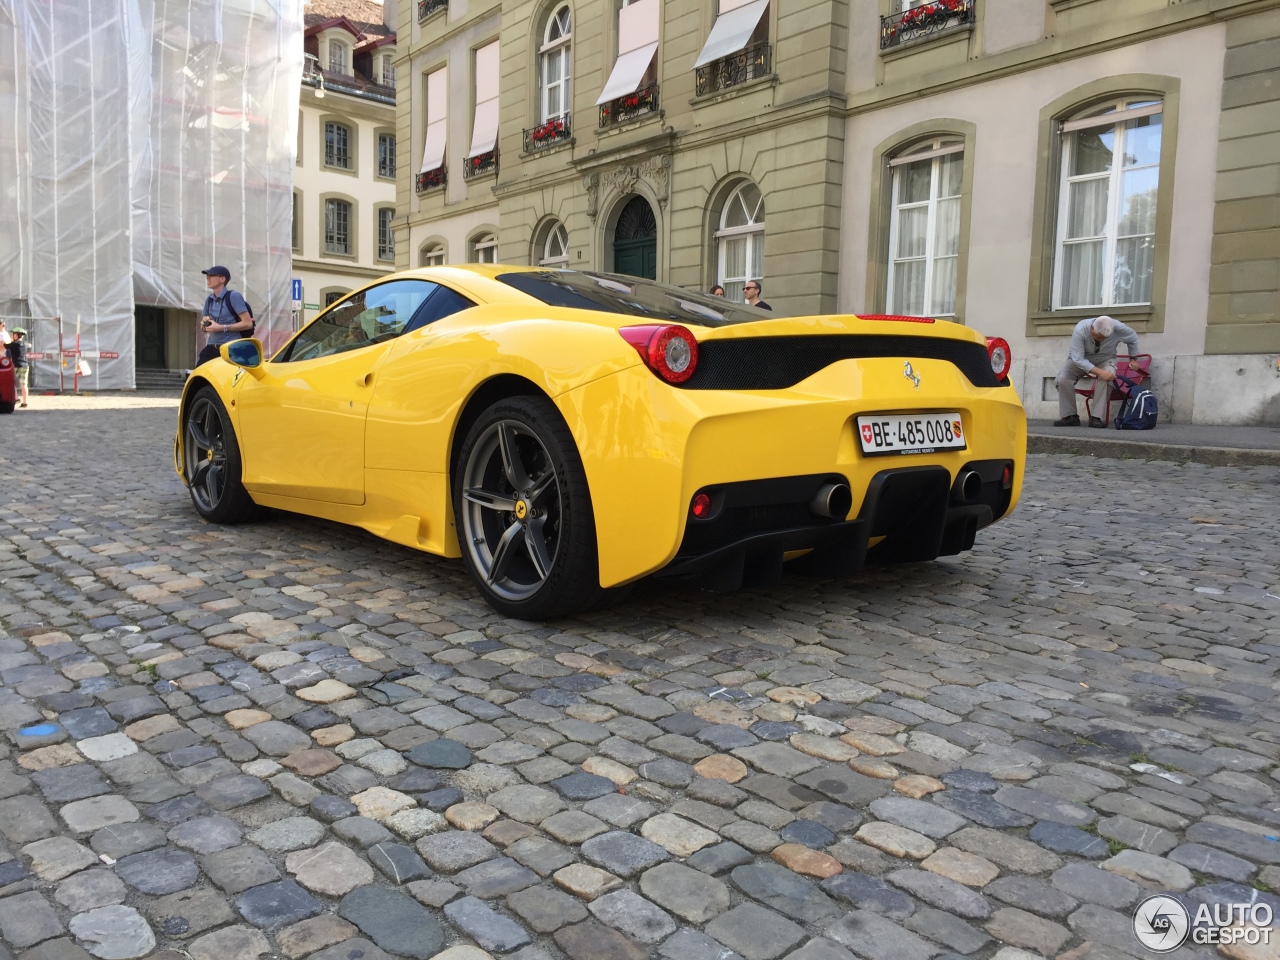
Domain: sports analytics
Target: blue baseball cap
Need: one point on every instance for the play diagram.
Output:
(217, 272)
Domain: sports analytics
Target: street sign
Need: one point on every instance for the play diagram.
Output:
(297, 293)
(312, 306)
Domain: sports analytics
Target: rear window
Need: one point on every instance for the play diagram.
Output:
(631, 297)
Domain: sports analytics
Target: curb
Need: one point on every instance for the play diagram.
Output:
(1138, 450)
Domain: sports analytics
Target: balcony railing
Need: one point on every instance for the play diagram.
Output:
(732, 70)
(427, 7)
(924, 21)
(548, 134)
(624, 109)
(433, 179)
(480, 165)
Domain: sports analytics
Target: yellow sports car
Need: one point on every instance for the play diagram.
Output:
(568, 432)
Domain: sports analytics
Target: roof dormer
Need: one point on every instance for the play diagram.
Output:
(336, 48)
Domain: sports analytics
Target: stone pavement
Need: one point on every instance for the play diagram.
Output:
(292, 739)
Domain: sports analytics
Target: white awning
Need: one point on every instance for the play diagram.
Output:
(437, 120)
(638, 25)
(484, 135)
(433, 154)
(1112, 118)
(484, 131)
(943, 151)
(732, 31)
(627, 73)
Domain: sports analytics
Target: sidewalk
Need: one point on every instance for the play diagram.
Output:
(1201, 443)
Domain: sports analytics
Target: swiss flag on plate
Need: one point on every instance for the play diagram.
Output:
(866, 432)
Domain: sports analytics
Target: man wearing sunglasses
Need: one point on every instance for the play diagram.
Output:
(752, 289)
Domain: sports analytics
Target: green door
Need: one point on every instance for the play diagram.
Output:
(148, 337)
(636, 258)
(635, 241)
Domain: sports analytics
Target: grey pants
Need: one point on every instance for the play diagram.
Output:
(1069, 376)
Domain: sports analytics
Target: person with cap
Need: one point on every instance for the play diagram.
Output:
(17, 350)
(226, 315)
(1092, 353)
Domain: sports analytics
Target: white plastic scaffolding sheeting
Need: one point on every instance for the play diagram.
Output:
(142, 141)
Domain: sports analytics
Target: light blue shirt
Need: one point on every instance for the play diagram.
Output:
(224, 310)
(1087, 353)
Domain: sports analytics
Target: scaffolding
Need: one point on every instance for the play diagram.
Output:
(140, 142)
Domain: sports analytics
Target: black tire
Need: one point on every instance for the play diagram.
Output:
(6, 406)
(211, 461)
(523, 509)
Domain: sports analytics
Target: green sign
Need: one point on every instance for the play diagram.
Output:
(311, 306)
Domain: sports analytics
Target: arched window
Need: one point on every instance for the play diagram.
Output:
(555, 248)
(484, 249)
(740, 240)
(924, 230)
(337, 56)
(431, 255)
(1110, 173)
(554, 64)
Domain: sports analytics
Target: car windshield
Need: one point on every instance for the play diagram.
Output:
(630, 296)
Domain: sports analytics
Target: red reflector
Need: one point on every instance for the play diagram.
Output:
(897, 318)
(701, 506)
(1006, 478)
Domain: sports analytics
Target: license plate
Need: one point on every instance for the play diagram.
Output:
(887, 433)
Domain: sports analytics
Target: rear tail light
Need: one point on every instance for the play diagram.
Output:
(1006, 478)
(667, 349)
(1001, 356)
(701, 506)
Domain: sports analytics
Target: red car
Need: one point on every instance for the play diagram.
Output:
(8, 384)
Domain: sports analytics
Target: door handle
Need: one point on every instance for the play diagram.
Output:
(365, 380)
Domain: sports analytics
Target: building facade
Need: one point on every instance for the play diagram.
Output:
(344, 191)
(1015, 165)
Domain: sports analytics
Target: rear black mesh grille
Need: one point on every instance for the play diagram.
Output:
(775, 363)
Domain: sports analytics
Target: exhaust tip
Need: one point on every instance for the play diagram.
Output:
(833, 501)
(968, 486)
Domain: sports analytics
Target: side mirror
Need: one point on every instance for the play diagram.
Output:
(242, 353)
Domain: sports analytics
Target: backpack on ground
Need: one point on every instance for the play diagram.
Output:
(1138, 410)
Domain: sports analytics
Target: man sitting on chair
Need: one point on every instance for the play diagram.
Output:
(1092, 354)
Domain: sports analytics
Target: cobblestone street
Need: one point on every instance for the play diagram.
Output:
(293, 739)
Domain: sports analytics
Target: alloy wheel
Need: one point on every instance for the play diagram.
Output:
(512, 510)
(206, 455)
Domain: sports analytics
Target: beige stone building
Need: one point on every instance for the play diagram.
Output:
(1015, 165)
(344, 190)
